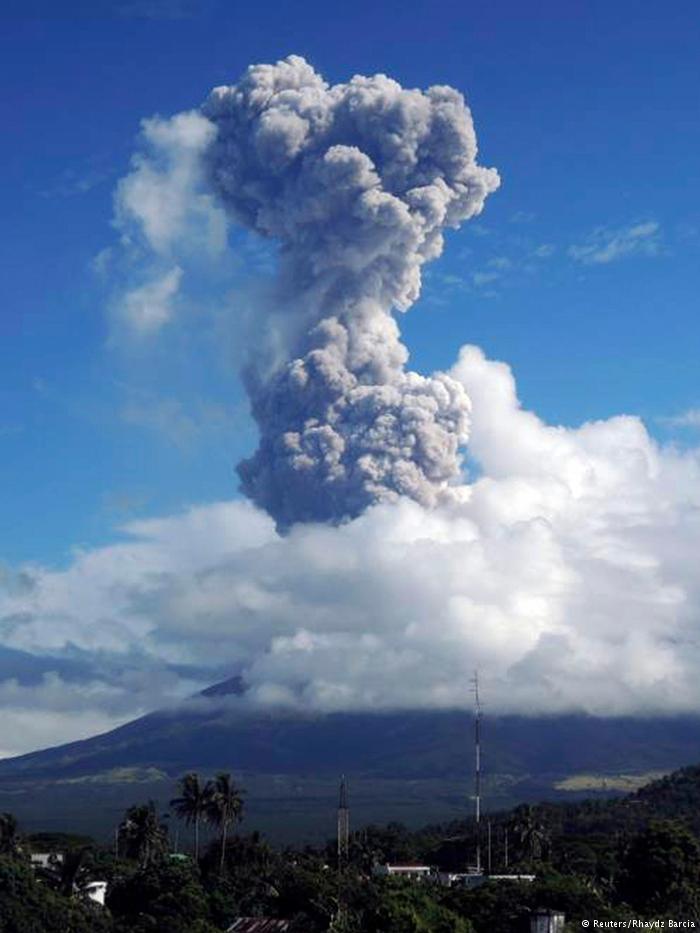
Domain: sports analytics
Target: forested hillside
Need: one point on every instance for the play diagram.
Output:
(636, 858)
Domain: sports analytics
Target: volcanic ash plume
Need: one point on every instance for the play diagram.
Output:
(356, 182)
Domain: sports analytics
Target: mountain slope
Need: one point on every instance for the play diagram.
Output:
(409, 765)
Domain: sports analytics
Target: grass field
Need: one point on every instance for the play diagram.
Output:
(624, 783)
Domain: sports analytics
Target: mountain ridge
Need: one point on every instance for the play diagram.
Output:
(397, 761)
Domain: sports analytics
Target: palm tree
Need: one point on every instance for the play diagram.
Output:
(530, 832)
(192, 804)
(9, 836)
(71, 873)
(145, 836)
(224, 808)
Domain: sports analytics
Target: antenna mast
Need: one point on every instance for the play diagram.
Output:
(343, 825)
(339, 922)
(477, 768)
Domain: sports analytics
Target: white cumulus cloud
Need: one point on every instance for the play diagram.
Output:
(686, 419)
(166, 220)
(149, 306)
(566, 571)
(607, 245)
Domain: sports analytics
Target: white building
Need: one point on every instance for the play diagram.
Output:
(472, 879)
(45, 859)
(412, 872)
(462, 879)
(526, 878)
(97, 891)
(547, 921)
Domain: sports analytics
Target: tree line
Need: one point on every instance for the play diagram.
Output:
(637, 858)
(218, 802)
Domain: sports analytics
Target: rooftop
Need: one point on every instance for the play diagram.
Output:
(258, 925)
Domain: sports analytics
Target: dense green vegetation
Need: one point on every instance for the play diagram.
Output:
(638, 857)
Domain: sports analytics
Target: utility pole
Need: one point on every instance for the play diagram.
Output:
(505, 846)
(477, 769)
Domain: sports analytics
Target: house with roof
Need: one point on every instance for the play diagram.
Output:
(258, 925)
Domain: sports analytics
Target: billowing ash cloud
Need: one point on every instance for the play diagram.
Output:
(567, 574)
(357, 183)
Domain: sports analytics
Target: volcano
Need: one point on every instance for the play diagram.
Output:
(412, 766)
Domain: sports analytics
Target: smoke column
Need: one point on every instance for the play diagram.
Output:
(356, 182)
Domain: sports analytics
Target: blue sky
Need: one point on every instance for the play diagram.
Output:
(132, 574)
(582, 272)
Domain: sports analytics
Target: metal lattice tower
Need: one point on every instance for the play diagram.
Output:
(477, 768)
(343, 824)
